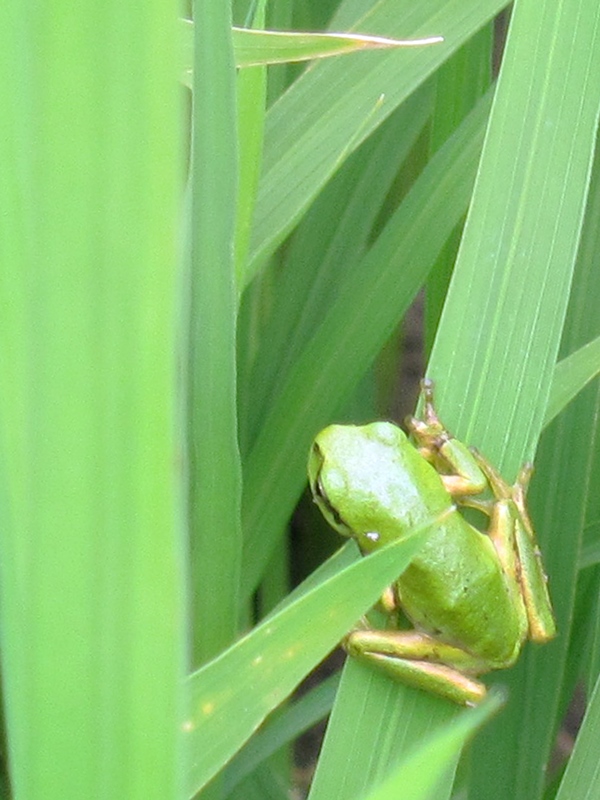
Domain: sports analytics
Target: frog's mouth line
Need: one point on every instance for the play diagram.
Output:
(320, 497)
(329, 511)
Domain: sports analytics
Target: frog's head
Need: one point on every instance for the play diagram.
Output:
(366, 480)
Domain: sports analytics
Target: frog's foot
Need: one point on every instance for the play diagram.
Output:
(430, 415)
(458, 469)
(429, 431)
(421, 661)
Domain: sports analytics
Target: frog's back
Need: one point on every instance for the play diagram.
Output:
(455, 589)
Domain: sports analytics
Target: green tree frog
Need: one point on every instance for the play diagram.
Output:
(474, 597)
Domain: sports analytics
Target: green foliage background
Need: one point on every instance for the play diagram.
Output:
(186, 302)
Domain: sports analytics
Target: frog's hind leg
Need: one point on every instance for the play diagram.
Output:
(542, 625)
(513, 536)
(420, 661)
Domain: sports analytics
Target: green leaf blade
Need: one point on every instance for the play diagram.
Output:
(214, 482)
(258, 673)
(525, 247)
(91, 537)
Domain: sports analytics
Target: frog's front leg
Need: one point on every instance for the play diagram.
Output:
(458, 469)
(420, 661)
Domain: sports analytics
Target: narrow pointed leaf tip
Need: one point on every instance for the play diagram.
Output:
(273, 47)
(258, 47)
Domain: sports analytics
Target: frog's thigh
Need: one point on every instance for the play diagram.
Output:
(420, 661)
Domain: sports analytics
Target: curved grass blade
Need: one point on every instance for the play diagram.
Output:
(571, 375)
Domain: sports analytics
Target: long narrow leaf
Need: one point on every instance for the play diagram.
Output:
(571, 375)
(365, 738)
(214, 464)
(276, 47)
(525, 248)
(419, 776)
(254, 676)
(251, 91)
(255, 47)
(91, 606)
